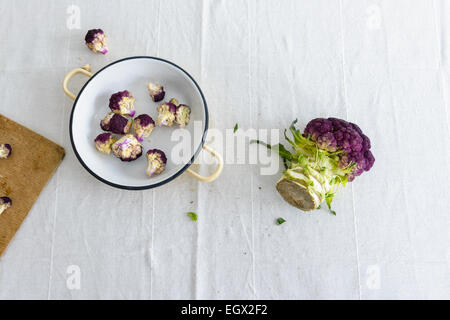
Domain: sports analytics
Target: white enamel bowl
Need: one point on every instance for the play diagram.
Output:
(133, 74)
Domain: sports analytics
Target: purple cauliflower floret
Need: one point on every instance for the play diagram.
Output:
(156, 91)
(334, 134)
(104, 124)
(122, 102)
(104, 141)
(326, 141)
(182, 115)
(5, 150)
(317, 127)
(143, 126)
(127, 148)
(166, 114)
(116, 123)
(156, 162)
(175, 102)
(96, 41)
(5, 203)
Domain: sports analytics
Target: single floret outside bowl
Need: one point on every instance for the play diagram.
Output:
(96, 41)
(5, 203)
(5, 150)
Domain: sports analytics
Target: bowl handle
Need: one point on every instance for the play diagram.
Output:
(86, 70)
(216, 173)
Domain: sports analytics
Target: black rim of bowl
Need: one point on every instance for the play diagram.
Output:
(153, 185)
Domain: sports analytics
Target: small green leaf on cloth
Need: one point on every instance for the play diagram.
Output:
(193, 216)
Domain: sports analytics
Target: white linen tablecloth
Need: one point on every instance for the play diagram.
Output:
(382, 64)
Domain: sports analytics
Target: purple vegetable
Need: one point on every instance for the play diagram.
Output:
(143, 126)
(182, 115)
(334, 134)
(116, 123)
(5, 203)
(127, 148)
(104, 124)
(156, 91)
(156, 162)
(96, 41)
(122, 102)
(175, 102)
(166, 114)
(104, 141)
(328, 154)
(5, 150)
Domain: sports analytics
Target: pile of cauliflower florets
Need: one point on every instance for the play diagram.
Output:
(125, 133)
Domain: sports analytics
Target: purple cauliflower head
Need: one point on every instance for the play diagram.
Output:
(5, 150)
(166, 114)
(104, 141)
(96, 41)
(143, 126)
(5, 203)
(116, 123)
(127, 148)
(122, 102)
(156, 91)
(334, 134)
(156, 162)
